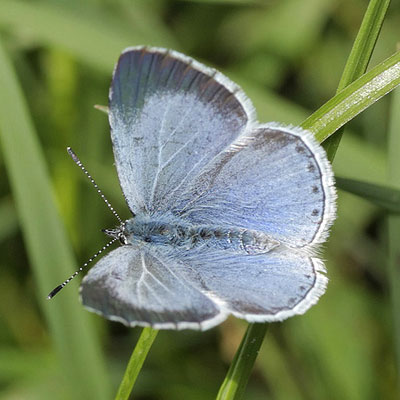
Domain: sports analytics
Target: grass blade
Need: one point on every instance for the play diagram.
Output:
(383, 196)
(136, 361)
(364, 43)
(47, 246)
(236, 379)
(358, 60)
(360, 56)
(394, 225)
(355, 98)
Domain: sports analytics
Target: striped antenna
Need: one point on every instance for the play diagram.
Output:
(106, 246)
(59, 287)
(78, 162)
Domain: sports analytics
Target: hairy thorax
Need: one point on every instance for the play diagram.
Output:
(171, 231)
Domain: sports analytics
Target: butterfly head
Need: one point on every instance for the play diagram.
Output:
(119, 233)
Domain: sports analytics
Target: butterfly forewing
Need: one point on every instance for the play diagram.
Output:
(169, 117)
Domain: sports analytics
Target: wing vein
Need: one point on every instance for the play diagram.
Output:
(159, 154)
(161, 165)
(185, 177)
(178, 277)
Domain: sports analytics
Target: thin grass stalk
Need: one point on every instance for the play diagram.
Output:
(135, 363)
(239, 372)
(359, 58)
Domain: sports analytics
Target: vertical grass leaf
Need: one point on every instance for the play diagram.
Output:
(50, 256)
(359, 57)
(364, 43)
(239, 372)
(135, 363)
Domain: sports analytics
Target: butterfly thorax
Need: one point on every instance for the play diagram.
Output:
(175, 232)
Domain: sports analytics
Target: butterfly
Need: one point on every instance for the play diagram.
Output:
(228, 214)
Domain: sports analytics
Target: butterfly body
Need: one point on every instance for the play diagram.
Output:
(170, 231)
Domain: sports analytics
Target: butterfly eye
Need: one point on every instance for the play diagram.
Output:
(122, 238)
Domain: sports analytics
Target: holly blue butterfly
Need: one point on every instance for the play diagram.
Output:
(227, 214)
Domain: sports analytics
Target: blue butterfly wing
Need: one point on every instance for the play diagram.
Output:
(147, 288)
(274, 180)
(169, 116)
(265, 287)
(198, 288)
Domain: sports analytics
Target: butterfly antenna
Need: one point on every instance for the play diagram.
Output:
(65, 283)
(78, 162)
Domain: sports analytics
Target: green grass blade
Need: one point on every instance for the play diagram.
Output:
(364, 43)
(360, 56)
(236, 379)
(136, 361)
(383, 196)
(394, 225)
(355, 98)
(48, 250)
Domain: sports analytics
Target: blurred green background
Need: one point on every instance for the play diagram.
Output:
(288, 55)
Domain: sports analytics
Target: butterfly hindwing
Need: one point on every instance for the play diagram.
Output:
(145, 287)
(198, 288)
(265, 287)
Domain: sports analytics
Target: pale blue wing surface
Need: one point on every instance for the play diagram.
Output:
(266, 287)
(198, 288)
(169, 117)
(136, 287)
(276, 180)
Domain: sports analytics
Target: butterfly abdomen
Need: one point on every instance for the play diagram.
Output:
(235, 240)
